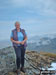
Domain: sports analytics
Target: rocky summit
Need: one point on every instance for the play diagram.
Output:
(34, 61)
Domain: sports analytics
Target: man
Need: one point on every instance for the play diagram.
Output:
(19, 38)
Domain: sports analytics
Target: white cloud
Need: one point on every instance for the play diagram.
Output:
(30, 25)
(19, 3)
(44, 6)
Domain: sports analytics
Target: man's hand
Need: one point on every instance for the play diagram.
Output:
(22, 42)
(17, 42)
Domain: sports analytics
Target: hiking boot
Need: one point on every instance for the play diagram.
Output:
(18, 72)
(22, 69)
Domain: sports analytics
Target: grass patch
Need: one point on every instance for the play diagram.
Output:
(48, 54)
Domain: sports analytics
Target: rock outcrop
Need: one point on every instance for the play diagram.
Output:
(34, 61)
(7, 60)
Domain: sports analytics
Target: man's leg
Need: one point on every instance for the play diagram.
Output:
(22, 55)
(18, 56)
(22, 58)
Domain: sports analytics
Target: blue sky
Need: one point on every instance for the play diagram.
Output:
(37, 17)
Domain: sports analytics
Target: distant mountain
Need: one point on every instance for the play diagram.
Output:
(44, 43)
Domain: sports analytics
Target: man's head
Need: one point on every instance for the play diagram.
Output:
(17, 25)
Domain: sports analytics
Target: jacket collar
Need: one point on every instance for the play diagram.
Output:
(16, 29)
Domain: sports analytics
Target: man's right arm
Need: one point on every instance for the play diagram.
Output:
(17, 42)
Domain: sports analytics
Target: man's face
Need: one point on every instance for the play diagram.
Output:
(17, 25)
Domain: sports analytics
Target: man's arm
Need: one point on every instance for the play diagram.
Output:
(17, 42)
(25, 39)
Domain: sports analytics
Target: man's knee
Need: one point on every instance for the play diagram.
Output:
(18, 58)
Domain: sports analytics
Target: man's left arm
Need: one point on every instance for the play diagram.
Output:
(25, 39)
